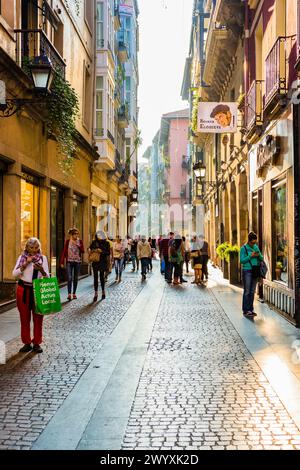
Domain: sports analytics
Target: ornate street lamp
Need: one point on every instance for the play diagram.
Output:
(199, 170)
(42, 75)
(134, 195)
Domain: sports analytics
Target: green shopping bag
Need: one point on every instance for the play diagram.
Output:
(46, 296)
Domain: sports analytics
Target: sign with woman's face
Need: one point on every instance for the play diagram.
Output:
(217, 117)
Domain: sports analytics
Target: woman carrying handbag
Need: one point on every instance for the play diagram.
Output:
(99, 253)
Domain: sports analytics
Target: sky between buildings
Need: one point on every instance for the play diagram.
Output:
(165, 27)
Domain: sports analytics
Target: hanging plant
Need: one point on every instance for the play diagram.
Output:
(63, 107)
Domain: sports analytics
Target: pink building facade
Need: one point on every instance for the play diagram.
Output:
(176, 155)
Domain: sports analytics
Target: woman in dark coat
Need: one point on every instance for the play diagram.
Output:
(101, 246)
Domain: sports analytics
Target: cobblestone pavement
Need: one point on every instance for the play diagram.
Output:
(33, 390)
(200, 387)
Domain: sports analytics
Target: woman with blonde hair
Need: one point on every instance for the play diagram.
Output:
(72, 253)
(30, 265)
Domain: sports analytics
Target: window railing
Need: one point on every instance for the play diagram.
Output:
(254, 104)
(32, 43)
(110, 136)
(276, 82)
(98, 132)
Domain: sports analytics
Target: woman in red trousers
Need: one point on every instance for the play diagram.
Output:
(30, 265)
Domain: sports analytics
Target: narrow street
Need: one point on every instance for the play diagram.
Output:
(155, 367)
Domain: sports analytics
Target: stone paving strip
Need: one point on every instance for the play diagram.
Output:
(200, 387)
(32, 391)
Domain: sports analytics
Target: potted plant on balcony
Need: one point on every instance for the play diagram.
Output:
(221, 254)
(278, 270)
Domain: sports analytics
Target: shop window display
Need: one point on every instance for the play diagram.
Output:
(29, 211)
(280, 233)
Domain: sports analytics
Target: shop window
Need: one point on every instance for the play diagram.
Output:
(78, 214)
(280, 238)
(29, 210)
(56, 228)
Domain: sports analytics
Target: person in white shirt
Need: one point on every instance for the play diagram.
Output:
(30, 265)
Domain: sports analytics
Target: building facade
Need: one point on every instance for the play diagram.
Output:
(51, 177)
(115, 132)
(214, 73)
(174, 148)
(248, 53)
(43, 192)
(272, 51)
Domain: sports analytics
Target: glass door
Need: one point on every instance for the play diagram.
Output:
(57, 230)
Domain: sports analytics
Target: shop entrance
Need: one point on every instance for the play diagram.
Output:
(57, 231)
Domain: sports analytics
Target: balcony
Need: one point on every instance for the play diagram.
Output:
(31, 43)
(254, 105)
(123, 116)
(123, 52)
(276, 76)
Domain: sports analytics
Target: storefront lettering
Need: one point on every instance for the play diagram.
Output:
(267, 153)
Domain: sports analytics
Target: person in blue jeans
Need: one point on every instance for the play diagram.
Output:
(250, 256)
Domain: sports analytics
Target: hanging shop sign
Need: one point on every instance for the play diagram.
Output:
(267, 153)
(217, 117)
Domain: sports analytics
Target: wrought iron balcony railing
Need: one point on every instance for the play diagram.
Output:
(254, 104)
(32, 43)
(110, 136)
(276, 78)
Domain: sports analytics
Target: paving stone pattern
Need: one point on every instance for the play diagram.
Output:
(33, 390)
(200, 387)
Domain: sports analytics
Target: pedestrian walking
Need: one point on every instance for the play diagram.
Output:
(176, 257)
(110, 260)
(164, 245)
(161, 254)
(205, 255)
(143, 254)
(99, 252)
(250, 259)
(72, 253)
(118, 255)
(32, 264)
(150, 267)
(134, 258)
